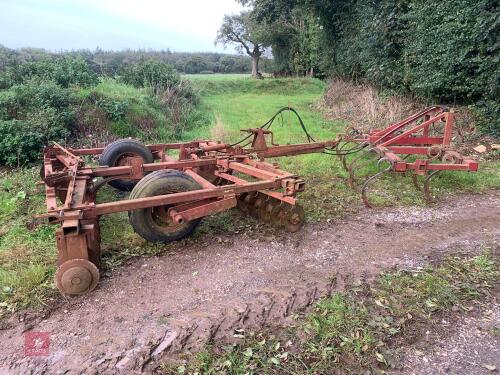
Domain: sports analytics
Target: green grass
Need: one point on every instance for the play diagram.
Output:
(229, 103)
(27, 248)
(126, 111)
(361, 330)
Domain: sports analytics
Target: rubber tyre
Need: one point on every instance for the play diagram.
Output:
(114, 151)
(144, 221)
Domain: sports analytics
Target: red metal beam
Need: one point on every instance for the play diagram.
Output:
(163, 200)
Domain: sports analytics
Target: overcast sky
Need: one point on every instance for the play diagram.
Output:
(179, 25)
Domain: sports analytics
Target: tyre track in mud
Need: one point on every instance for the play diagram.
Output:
(156, 307)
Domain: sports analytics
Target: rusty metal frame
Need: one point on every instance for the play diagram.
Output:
(224, 173)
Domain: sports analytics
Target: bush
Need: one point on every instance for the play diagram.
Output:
(152, 74)
(19, 142)
(31, 115)
(63, 70)
(443, 51)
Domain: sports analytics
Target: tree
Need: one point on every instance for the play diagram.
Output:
(242, 30)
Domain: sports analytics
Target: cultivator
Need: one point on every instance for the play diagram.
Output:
(424, 137)
(169, 196)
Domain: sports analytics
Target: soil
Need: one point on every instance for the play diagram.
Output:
(471, 346)
(157, 307)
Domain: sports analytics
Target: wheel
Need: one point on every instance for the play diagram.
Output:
(154, 224)
(76, 277)
(294, 218)
(116, 153)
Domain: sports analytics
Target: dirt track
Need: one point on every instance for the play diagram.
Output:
(155, 307)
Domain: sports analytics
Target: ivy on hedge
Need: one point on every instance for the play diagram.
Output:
(445, 51)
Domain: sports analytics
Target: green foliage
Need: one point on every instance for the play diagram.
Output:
(54, 98)
(31, 114)
(115, 109)
(27, 256)
(64, 70)
(153, 74)
(445, 51)
(19, 143)
(442, 51)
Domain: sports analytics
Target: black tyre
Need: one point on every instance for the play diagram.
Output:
(154, 224)
(115, 155)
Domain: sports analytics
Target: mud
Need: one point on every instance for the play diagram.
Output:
(157, 307)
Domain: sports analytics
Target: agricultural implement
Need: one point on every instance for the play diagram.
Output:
(424, 137)
(170, 195)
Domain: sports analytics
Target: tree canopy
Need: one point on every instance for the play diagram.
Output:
(248, 35)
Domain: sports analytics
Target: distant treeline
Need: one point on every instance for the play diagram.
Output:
(110, 63)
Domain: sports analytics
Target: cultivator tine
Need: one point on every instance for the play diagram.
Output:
(338, 149)
(414, 178)
(373, 178)
(343, 154)
(352, 181)
(427, 192)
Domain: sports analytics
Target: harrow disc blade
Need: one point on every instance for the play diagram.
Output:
(294, 219)
(257, 204)
(266, 209)
(278, 215)
(245, 201)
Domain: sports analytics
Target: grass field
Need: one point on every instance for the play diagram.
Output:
(230, 103)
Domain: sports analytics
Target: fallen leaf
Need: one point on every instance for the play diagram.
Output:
(480, 149)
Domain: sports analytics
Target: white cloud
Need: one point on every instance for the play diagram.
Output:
(177, 24)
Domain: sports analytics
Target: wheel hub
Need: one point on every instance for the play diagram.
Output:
(76, 276)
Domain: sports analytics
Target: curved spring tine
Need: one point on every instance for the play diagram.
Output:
(415, 181)
(341, 156)
(371, 179)
(427, 181)
(339, 147)
(349, 168)
(352, 178)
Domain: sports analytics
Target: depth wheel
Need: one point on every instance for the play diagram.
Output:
(76, 277)
(294, 219)
(155, 224)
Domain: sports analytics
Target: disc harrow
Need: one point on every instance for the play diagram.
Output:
(170, 195)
